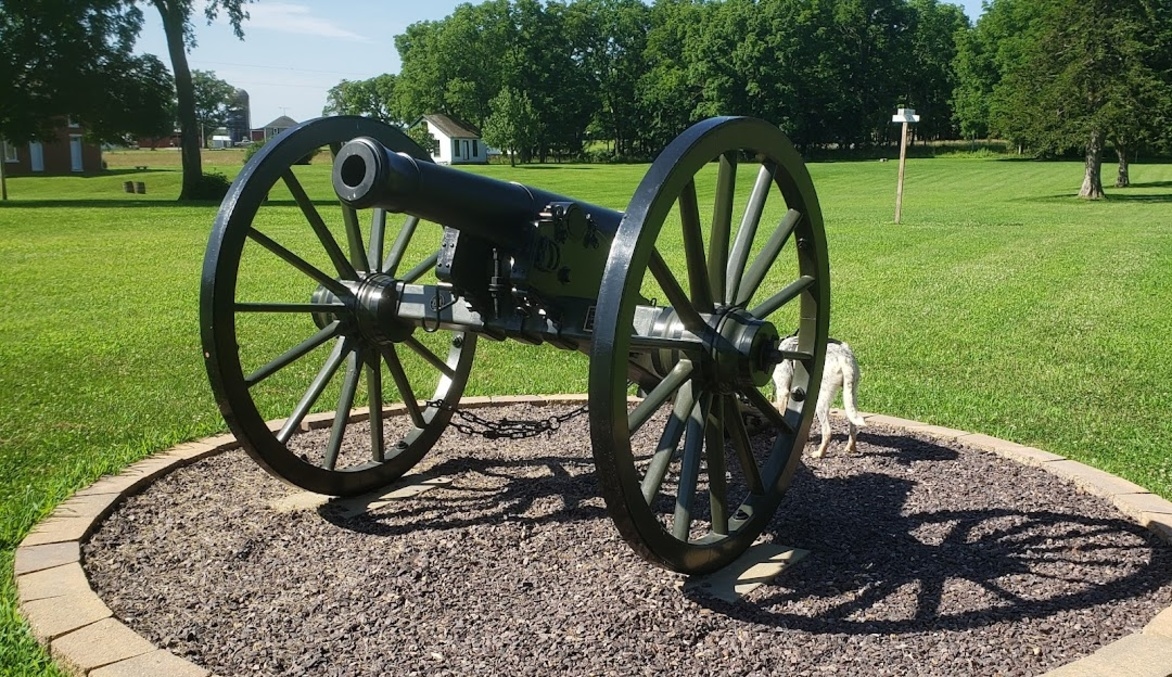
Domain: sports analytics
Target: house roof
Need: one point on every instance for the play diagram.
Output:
(451, 127)
(283, 122)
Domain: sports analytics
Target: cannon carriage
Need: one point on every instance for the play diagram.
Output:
(680, 298)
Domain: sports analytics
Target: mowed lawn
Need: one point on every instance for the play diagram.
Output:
(1001, 305)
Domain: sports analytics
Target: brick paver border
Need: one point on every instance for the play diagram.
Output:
(85, 638)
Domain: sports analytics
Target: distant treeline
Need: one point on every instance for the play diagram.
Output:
(621, 78)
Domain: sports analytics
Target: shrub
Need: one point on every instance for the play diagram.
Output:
(251, 149)
(211, 186)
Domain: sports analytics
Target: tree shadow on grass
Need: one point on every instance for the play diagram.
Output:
(1152, 199)
(1112, 195)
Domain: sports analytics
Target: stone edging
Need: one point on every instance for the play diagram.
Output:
(83, 636)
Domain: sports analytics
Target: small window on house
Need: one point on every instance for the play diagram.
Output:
(73, 123)
(455, 148)
(475, 148)
(9, 152)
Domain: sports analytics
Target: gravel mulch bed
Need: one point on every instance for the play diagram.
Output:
(924, 560)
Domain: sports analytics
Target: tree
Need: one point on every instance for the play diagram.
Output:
(213, 102)
(930, 80)
(177, 15)
(421, 135)
(370, 98)
(607, 37)
(669, 90)
(73, 58)
(1088, 78)
(453, 66)
(512, 125)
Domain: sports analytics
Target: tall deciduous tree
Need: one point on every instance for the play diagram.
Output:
(930, 77)
(371, 98)
(74, 58)
(1088, 78)
(213, 102)
(177, 16)
(608, 38)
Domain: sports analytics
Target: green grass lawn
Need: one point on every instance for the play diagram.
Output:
(1001, 305)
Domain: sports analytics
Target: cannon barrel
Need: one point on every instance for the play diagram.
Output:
(367, 174)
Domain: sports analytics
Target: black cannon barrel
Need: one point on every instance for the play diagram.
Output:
(368, 174)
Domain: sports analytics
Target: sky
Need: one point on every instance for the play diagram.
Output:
(294, 51)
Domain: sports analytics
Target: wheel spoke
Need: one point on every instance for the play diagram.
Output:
(342, 413)
(690, 468)
(350, 217)
(764, 407)
(658, 395)
(698, 285)
(791, 291)
(340, 290)
(726, 186)
(675, 294)
(354, 236)
(395, 256)
(378, 229)
(319, 226)
(421, 269)
(391, 357)
(669, 441)
(277, 307)
(768, 256)
(293, 354)
(734, 423)
(430, 357)
(341, 350)
(717, 483)
(374, 387)
(748, 231)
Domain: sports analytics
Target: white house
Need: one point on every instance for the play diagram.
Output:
(459, 143)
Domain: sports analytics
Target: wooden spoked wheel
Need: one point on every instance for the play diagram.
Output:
(684, 480)
(293, 318)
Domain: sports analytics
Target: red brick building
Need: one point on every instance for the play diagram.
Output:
(69, 153)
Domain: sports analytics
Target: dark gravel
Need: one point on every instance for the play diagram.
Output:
(925, 560)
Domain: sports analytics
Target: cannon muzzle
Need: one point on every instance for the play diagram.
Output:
(368, 174)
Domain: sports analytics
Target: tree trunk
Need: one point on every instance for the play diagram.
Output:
(173, 22)
(1123, 180)
(1092, 183)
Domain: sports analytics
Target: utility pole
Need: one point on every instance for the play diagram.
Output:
(905, 116)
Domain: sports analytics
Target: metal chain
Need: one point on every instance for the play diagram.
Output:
(505, 428)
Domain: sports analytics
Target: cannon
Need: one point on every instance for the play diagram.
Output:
(313, 294)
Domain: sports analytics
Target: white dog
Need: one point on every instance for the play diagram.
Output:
(841, 371)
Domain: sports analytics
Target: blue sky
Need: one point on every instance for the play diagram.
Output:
(295, 50)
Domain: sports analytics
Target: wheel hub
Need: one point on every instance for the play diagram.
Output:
(741, 351)
(376, 300)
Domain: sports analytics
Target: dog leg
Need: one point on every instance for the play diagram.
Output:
(854, 431)
(783, 375)
(824, 421)
(850, 386)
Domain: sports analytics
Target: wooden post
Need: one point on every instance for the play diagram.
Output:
(899, 184)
